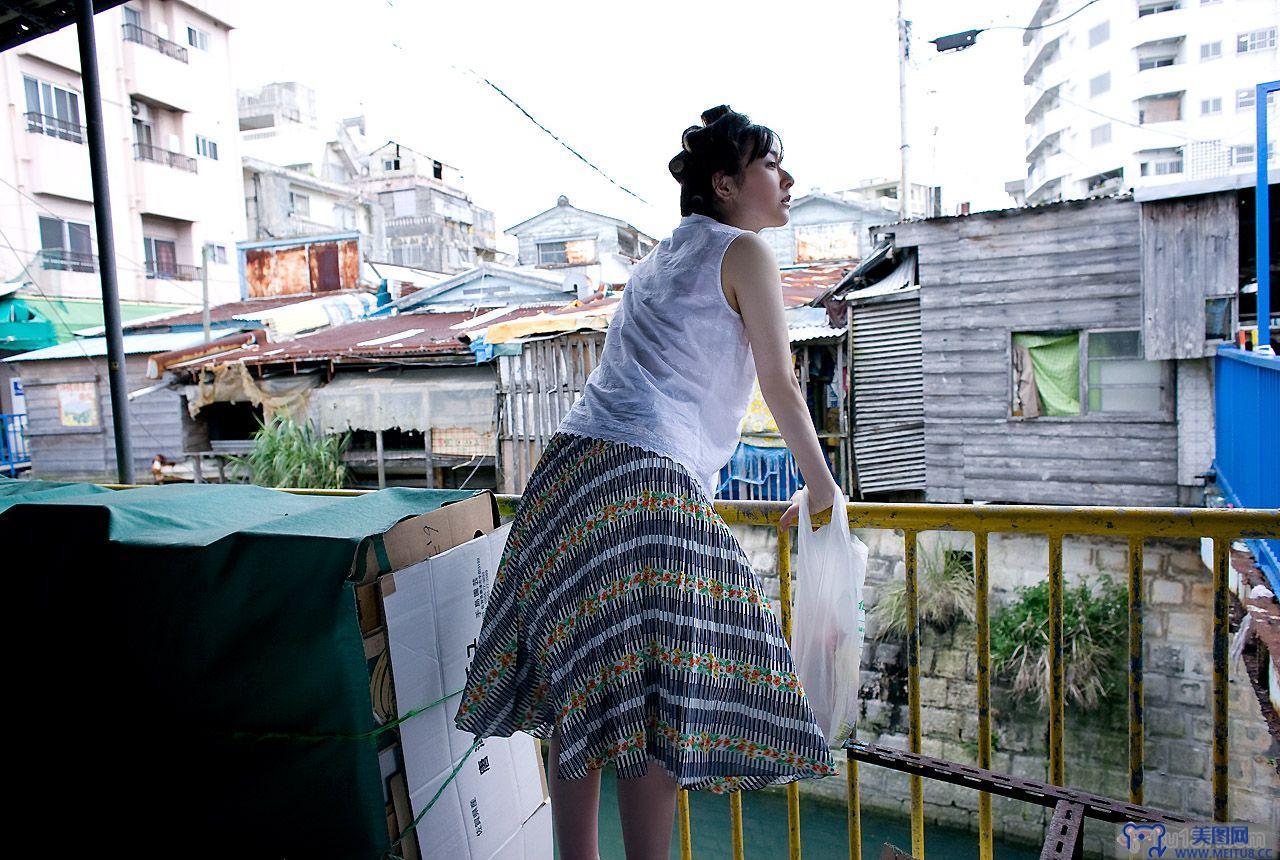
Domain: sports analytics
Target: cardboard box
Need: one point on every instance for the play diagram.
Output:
(423, 587)
(433, 611)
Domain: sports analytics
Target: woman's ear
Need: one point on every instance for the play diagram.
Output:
(724, 186)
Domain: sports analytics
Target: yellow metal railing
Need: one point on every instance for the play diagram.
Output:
(1132, 524)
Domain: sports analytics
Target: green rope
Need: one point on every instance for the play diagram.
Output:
(342, 736)
(432, 802)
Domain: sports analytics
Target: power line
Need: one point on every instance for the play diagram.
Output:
(1041, 26)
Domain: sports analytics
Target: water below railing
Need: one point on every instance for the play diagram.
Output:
(824, 833)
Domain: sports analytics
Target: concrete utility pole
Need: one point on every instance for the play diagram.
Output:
(106, 240)
(204, 290)
(904, 51)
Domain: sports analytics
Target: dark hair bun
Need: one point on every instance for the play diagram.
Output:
(726, 142)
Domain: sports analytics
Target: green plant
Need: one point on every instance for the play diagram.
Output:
(1094, 635)
(944, 592)
(287, 453)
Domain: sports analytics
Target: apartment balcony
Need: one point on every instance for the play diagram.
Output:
(156, 70)
(1162, 26)
(162, 271)
(176, 160)
(1160, 80)
(166, 183)
(59, 160)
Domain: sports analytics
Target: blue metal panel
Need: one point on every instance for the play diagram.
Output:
(1247, 462)
(14, 455)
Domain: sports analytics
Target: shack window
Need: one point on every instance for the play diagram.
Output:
(1046, 374)
(574, 252)
(299, 204)
(1048, 378)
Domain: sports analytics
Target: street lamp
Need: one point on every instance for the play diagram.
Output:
(956, 41)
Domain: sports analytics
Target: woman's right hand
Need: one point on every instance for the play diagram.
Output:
(821, 499)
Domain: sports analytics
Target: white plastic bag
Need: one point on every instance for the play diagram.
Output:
(830, 618)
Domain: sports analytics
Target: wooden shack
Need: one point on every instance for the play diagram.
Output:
(1129, 296)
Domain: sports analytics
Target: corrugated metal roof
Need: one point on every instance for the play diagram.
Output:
(802, 285)
(217, 314)
(134, 344)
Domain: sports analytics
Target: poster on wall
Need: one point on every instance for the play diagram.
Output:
(78, 404)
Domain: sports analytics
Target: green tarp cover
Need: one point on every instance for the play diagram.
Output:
(160, 633)
(1056, 361)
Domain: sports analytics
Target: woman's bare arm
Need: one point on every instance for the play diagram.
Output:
(753, 285)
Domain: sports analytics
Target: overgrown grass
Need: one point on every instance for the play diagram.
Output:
(1094, 635)
(287, 453)
(944, 593)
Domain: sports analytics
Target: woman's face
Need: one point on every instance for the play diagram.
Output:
(761, 197)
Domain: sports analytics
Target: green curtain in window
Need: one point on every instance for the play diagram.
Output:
(1056, 361)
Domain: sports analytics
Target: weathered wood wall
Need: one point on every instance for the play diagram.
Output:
(1072, 265)
(1190, 253)
(62, 453)
(536, 390)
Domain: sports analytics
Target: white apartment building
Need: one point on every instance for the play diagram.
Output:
(1132, 93)
(169, 113)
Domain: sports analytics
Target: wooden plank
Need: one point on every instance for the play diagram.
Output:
(1074, 493)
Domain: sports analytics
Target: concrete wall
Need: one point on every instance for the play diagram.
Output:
(1177, 684)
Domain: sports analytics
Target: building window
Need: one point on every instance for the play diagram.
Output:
(197, 38)
(218, 254)
(1100, 84)
(1099, 34)
(1161, 163)
(344, 217)
(1258, 40)
(1166, 108)
(1242, 154)
(1116, 379)
(1209, 107)
(1246, 99)
(390, 164)
(437, 170)
(1100, 135)
(1210, 51)
(161, 257)
(299, 204)
(1158, 7)
(65, 245)
(52, 110)
(574, 252)
(1219, 318)
(1210, 2)
(404, 203)
(1156, 62)
(206, 147)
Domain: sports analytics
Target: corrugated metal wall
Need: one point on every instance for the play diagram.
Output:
(888, 395)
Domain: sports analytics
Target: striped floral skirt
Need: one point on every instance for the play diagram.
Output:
(625, 612)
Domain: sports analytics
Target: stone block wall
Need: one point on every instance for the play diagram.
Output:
(1178, 681)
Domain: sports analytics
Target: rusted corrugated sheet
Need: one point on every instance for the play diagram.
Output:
(323, 259)
(277, 271)
(349, 264)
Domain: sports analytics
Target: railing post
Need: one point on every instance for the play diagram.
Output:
(1136, 735)
(855, 811)
(1221, 630)
(982, 619)
(686, 841)
(784, 597)
(1056, 673)
(735, 824)
(913, 690)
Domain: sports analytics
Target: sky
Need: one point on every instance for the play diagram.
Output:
(620, 82)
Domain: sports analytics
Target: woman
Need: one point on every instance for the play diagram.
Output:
(626, 624)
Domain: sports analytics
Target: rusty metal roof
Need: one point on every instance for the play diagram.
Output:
(802, 285)
(220, 313)
(404, 336)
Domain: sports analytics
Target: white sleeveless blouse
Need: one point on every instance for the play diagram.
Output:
(676, 370)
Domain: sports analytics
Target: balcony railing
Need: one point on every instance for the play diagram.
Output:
(40, 123)
(134, 33)
(147, 152)
(1071, 807)
(171, 271)
(68, 261)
